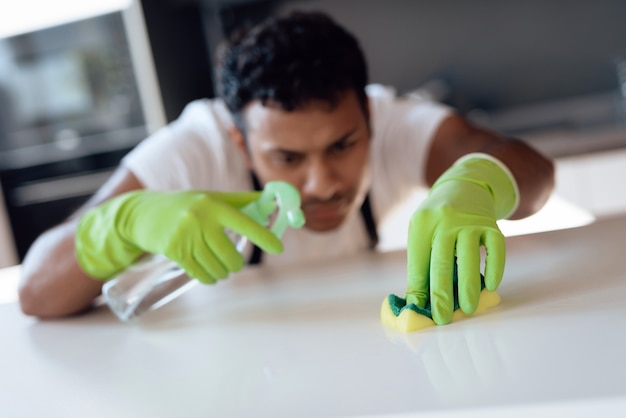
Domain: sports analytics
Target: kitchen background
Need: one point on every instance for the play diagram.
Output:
(77, 94)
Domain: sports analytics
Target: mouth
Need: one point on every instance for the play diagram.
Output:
(324, 210)
(327, 214)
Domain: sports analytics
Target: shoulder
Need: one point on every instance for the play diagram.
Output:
(193, 151)
(403, 118)
(201, 127)
(386, 105)
(380, 97)
(201, 131)
(204, 116)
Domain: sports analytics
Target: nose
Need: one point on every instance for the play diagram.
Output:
(322, 182)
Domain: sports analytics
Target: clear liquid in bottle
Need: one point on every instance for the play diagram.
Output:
(156, 280)
(149, 284)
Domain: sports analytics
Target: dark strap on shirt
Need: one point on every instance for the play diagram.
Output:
(370, 224)
(257, 254)
(366, 214)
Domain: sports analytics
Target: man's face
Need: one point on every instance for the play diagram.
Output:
(322, 151)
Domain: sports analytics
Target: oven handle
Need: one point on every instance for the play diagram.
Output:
(59, 188)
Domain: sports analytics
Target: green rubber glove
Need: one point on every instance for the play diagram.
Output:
(185, 226)
(455, 220)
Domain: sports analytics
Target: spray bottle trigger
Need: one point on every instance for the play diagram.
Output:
(280, 196)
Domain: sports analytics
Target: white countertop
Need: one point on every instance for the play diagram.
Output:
(309, 343)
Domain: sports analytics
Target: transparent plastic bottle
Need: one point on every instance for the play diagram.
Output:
(155, 280)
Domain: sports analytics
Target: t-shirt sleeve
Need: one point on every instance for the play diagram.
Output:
(403, 129)
(190, 153)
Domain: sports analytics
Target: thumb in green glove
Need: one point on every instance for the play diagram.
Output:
(188, 227)
(455, 220)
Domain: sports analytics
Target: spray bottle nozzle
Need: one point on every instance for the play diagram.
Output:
(281, 196)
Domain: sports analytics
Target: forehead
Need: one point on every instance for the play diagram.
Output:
(315, 125)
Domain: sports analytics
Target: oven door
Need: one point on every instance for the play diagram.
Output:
(39, 197)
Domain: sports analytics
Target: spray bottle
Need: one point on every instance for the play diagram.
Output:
(156, 280)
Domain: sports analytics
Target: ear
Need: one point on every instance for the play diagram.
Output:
(239, 140)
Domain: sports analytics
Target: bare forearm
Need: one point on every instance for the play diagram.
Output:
(533, 172)
(52, 283)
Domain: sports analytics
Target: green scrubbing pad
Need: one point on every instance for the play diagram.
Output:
(395, 313)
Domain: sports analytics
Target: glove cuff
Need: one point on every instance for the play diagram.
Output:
(490, 173)
(100, 250)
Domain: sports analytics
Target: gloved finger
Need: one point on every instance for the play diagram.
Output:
(195, 270)
(441, 277)
(209, 262)
(242, 224)
(238, 199)
(468, 262)
(418, 258)
(496, 255)
(218, 243)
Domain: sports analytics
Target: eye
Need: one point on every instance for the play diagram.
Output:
(286, 158)
(342, 146)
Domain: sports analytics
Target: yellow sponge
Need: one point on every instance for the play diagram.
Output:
(407, 319)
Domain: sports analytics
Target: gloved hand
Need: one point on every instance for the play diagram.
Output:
(455, 220)
(185, 226)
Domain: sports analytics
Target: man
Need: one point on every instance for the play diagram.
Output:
(295, 106)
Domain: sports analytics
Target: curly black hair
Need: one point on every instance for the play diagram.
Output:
(291, 61)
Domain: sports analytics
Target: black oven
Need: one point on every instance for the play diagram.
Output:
(70, 109)
(38, 197)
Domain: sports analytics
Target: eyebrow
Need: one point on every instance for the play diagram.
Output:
(344, 137)
(341, 139)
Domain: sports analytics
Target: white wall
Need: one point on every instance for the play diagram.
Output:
(595, 182)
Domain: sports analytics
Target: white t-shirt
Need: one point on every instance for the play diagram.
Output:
(195, 152)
